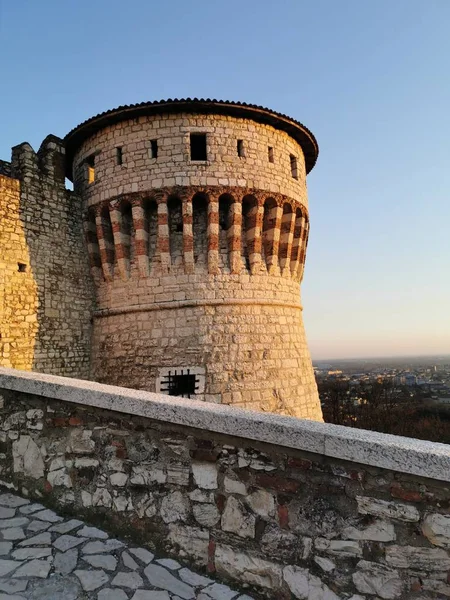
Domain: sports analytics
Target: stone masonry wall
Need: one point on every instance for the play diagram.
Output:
(254, 353)
(140, 172)
(288, 523)
(197, 264)
(46, 298)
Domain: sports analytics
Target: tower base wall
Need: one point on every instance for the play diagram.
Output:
(250, 352)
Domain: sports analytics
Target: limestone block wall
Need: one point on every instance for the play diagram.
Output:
(293, 509)
(46, 296)
(197, 263)
(18, 288)
(140, 171)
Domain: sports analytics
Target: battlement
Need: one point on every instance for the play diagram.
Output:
(48, 163)
(5, 168)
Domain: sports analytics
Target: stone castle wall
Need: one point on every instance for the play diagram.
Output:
(46, 298)
(173, 167)
(293, 509)
(197, 264)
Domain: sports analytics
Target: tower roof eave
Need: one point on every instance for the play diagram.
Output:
(294, 128)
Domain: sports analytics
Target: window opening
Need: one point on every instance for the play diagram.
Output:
(153, 148)
(21, 267)
(294, 171)
(198, 146)
(180, 382)
(119, 155)
(240, 148)
(270, 150)
(90, 162)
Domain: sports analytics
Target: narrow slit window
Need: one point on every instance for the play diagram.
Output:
(119, 155)
(198, 146)
(270, 153)
(153, 148)
(294, 171)
(90, 165)
(240, 148)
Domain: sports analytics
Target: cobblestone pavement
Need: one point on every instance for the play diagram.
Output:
(44, 556)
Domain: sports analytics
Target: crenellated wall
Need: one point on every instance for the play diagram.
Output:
(46, 294)
(290, 508)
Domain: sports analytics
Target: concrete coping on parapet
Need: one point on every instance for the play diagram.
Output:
(401, 454)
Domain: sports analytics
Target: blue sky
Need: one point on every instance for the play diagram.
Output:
(370, 79)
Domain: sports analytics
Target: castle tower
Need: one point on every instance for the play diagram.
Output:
(196, 219)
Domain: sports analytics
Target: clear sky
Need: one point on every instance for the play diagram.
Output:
(370, 79)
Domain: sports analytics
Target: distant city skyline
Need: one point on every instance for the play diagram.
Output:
(369, 79)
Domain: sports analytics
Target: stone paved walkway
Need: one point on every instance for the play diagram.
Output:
(44, 556)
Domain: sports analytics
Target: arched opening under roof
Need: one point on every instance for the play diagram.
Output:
(175, 219)
(151, 226)
(249, 230)
(225, 202)
(200, 228)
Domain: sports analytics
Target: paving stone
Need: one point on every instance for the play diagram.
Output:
(65, 562)
(92, 532)
(47, 515)
(66, 526)
(142, 554)
(150, 595)
(160, 577)
(38, 526)
(13, 585)
(129, 562)
(34, 568)
(41, 539)
(101, 547)
(11, 597)
(12, 501)
(15, 533)
(192, 578)
(31, 508)
(7, 566)
(129, 580)
(169, 563)
(110, 594)
(92, 580)
(14, 522)
(57, 587)
(65, 542)
(5, 548)
(26, 553)
(220, 592)
(7, 513)
(102, 561)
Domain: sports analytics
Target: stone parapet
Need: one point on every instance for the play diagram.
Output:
(290, 508)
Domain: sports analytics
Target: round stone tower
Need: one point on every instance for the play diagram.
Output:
(197, 225)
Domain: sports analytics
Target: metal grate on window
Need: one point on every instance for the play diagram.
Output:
(180, 382)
